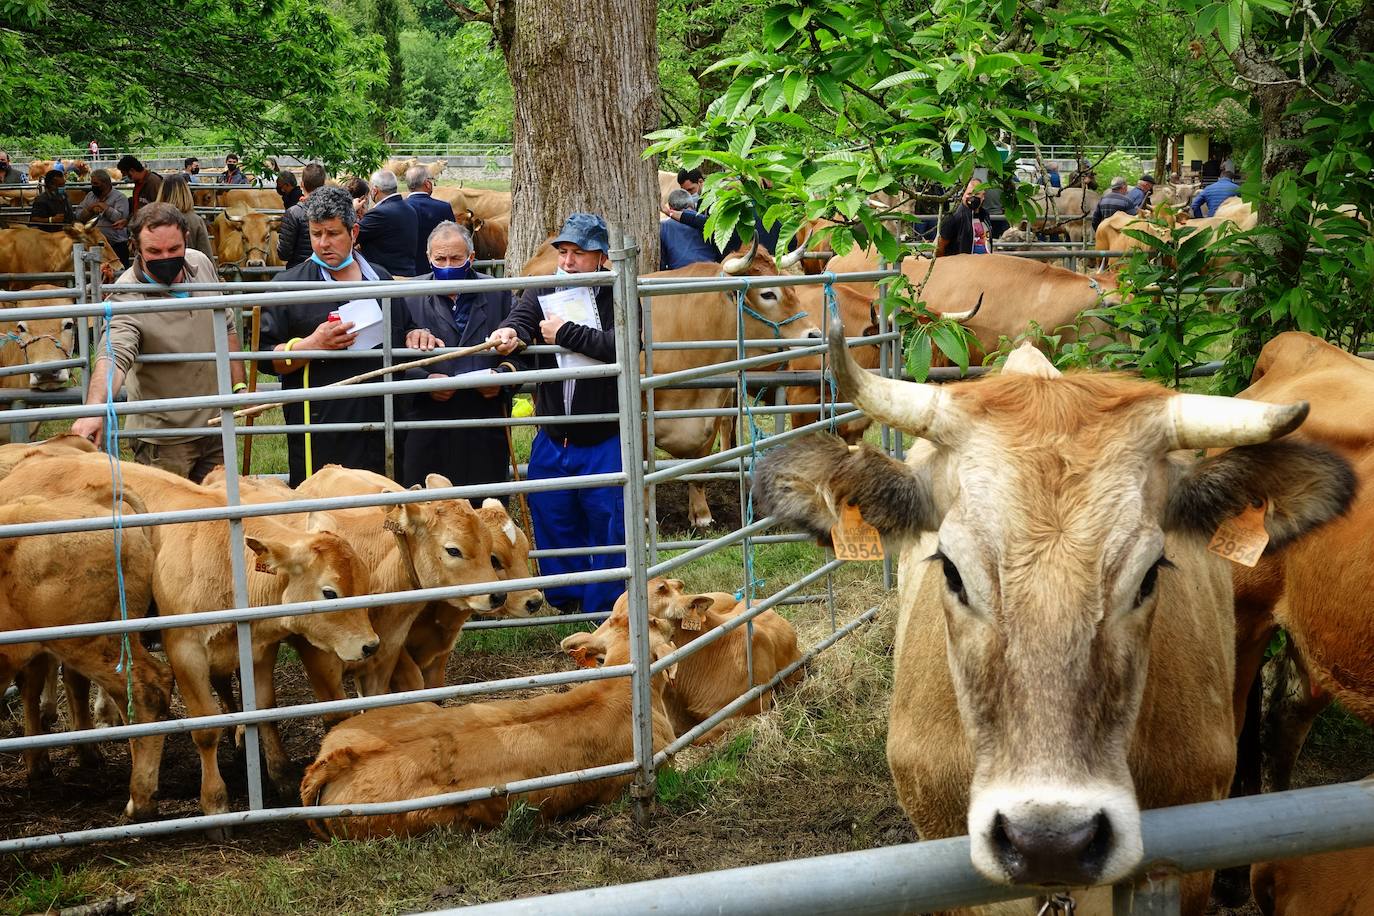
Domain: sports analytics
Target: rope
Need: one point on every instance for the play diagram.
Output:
(750, 582)
(833, 307)
(126, 653)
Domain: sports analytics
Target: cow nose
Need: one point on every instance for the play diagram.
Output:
(534, 604)
(370, 649)
(813, 334)
(1053, 855)
(256, 262)
(497, 599)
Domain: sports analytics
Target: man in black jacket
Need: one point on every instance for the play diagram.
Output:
(387, 232)
(469, 455)
(293, 239)
(593, 517)
(306, 326)
(1116, 200)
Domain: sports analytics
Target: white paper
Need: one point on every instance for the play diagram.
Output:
(478, 374)
(578, 306)
(366, 315)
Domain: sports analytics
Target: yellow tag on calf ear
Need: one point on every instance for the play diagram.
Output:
(393, 526)
(260, 566)
(692, 621)
(854, 538)
(1242, 539)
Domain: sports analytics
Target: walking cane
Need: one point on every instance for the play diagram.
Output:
(251, 367)
(524, 503)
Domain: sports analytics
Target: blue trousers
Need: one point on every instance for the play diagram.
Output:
(578, 518)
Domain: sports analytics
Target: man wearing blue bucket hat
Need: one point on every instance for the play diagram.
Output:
(581, 320)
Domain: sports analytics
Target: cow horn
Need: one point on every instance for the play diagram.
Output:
(792, 257)
(737, 266)
(1208, 421)
(912, 407)
(232, 218)
(961, 317)
(91, 224)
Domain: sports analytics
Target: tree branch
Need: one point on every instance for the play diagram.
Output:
(468, 14)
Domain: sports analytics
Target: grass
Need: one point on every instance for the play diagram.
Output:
(34, 893)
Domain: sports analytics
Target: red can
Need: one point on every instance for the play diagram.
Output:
(335, 316)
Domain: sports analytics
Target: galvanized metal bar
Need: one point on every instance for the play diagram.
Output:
(886, 360)
(48, 366)
(1158, 893)
(650, 434)
(695, 464)
(625, 264)
(682, 375)
(388, 399)
(83, 324)
(660, 286)
(713, 545)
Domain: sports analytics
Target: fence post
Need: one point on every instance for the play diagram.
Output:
(83, 324)
(244, 630)
(1156, 894)
(650, 462)
(388, 402)
(625, 263)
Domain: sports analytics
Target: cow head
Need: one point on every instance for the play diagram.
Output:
(510, 555)
(87, 234)
(45, 340)
(319, 565)
(448, 545)
(609, 643)
(770, 311)
(244, 237)
(1050, 498)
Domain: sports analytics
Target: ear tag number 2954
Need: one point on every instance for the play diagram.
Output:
(854, 538)
(1242, 539)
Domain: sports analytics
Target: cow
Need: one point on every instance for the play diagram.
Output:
(1327, 617)
(31, 251)
(489, 236)
(483, 203)
(436, 544)
(38, 168)
(1325, 884)
(435, 168)
(1064, 212)
(246, 238)
(399, 167)
(66, 579)
(769, 312)
(250, 199)
(191, 573)
(15, 452)
(1065, 640)
(33, 342)
(421, 749)
(667, 184)
(714, 676)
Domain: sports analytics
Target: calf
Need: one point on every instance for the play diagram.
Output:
(1328, 884)
(419, 750)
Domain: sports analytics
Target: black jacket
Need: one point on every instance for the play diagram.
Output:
(957, 229)
(428, 214)
(293, 238)
(596, 395)
(386, 236)
(1112, 202)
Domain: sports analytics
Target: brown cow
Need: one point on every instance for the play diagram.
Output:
(421, 749)
(191, 573)
(24, 250)
(489, 236)
(250, 199)
(1328, 884)
(34, 342)
(482, 202)
(1068, 540)
(12, 454)
(65, 579)
(713, 677)
(1064, 212)
(246, 238)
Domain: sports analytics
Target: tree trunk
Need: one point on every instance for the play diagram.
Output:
(585, 81)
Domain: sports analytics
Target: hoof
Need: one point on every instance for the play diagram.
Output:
(702, 521)
(133, 814)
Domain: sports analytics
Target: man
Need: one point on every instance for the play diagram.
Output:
(468, 455)
(1140, 194)
(306, 326)
(429, 213)
(680, 239)
(691, 181)
(1052, 175)
(1116, 200)
(52, 209)
(112, 207)
(8, 173)
(293, 238)
(591, 517)
(146, 183)
(289, 190)
(190, 170)
(965, 231)
(387, 233)
(161, 257)
(231, 174)
(1215, 194)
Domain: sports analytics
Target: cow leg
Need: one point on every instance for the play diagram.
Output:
(1293, 704)
(265, 690)
(192, 669)
(32, 679)
(47, 706)
(106, 712)
(448, 624)
(325, 671)
(78, 688)
(406, 675)
(392, 626)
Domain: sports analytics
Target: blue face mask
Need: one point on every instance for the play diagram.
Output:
(174, 295)
(463, 271)
(320, 261)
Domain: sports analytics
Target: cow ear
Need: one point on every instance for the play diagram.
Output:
(272, 556)
(808, 482)
(437, 481)
(1305, 486)
(321, 521)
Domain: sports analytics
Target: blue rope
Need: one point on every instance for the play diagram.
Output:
(126, 654)
(750, 582)
(833, 306)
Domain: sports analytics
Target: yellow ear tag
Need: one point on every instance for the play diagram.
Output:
(393, 526)
(854, 538)
(260, 566)
(1242, 539)
(692, 621)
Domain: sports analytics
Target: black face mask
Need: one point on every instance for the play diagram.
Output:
(165, 270)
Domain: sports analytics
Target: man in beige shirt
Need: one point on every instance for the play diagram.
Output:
(158, 243)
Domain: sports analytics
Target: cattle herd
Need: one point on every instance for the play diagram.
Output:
(1075, 641)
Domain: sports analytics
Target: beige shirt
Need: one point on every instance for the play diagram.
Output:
(166, 332)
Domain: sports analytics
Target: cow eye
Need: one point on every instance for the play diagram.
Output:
(496, 562)
(1150, 580)
(953, 581)
(22, 327)
(454, 552)
(68, 324)
(329, 594)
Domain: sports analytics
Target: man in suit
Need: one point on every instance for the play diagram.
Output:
(386, 233)
(469, 455)
(429, 213)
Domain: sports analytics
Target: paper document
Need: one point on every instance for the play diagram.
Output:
(479, 374)
(366, 315)
(578, 306)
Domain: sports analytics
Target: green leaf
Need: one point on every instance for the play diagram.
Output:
(828, 88)
(918, 354)
(951, 342)
(1228, 26)
(795, 88)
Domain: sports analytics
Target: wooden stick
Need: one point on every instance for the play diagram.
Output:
(366, 376)
(252, 368)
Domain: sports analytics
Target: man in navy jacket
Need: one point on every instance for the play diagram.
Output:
(467, 455)
(429, 213)
(387, 232)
